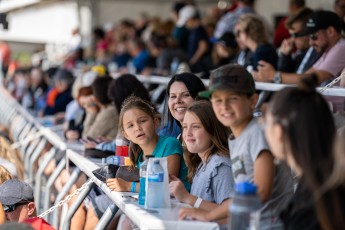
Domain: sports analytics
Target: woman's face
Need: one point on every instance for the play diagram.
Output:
(279, 147)
(273, 133)
(179, 100)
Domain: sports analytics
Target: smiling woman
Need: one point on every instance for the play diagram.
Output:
(181, 92)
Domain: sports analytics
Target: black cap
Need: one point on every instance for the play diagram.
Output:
(321, 20)
(231, 77)
(228, 39)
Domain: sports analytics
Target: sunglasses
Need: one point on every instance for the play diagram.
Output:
(313, 37)
(296, 35)
(11, 208)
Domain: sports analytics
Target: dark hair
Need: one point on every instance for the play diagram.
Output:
(177, 6)
(308, 134)
(217, 132)
(125, 86)
(194, 86)
(98, 33)
(100, 89)
(297, 3)
(159, 41)
(64, 75)
(133, 102)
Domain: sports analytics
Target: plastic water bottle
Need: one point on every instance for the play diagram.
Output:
(174, 65)
(143, 174)
(155, 185)
(244, 211)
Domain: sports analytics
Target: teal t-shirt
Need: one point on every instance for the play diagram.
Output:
(165, 147)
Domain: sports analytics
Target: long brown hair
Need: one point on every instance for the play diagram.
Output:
(133, 102)
(309, 134)
(217, 132)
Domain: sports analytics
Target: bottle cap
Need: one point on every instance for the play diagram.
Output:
(245, 188)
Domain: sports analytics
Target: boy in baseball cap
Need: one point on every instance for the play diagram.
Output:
(233, 97)
(17, 200)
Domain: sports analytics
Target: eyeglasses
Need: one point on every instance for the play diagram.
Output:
(11, 208)
(313, 37)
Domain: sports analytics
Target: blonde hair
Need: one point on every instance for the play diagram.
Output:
(254, 28)
(12, 156)
(4, 174)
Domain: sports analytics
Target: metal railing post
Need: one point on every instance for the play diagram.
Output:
(75, 174)
(50, 183)
(107, 217)
(38, 178)
(74, 207)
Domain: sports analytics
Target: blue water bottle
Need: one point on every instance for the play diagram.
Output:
(155, 178)
(143, 174)
(244, 211)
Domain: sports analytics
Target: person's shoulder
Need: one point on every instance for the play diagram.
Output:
(217, 160)
(169, 140)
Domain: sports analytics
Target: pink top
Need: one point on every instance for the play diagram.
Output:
(332, 61)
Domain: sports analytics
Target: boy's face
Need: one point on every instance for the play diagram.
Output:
(232, 109)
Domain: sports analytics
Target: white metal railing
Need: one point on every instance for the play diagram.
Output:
(334, 91)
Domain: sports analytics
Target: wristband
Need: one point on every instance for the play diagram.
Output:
(134, 187)
(197, 203)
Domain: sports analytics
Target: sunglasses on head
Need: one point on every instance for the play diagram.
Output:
(12, 207)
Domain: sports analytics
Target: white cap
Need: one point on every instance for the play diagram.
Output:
(185, 14)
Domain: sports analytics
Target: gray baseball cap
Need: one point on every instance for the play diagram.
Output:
(15, 191)
(230, 77)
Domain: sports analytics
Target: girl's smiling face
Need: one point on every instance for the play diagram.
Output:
(194, 135)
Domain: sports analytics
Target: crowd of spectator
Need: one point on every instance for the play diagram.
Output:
(294, 157)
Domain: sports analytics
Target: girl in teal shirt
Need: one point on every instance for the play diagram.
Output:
(138, 123)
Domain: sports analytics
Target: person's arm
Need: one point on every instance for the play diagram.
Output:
(264, 171)
(2, 214)
(119, 185)
(174, 164)
(217, 213)
(178, 190)
(202, 48)
(266, 73)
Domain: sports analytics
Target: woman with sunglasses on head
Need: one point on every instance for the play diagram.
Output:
(300, 131)
(250, 30)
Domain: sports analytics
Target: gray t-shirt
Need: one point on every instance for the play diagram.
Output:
(213, 181)
(243, 151)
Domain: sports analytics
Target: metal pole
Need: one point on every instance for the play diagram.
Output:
(107, 217)
(38, 178)
(50, 183)
(61, 195)
(74, 207)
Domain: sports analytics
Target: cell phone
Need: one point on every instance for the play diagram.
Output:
(92, 139)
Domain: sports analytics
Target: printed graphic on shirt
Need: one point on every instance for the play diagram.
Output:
(238, 167)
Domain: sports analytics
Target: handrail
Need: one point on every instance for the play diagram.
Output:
(335, 91)
(131, 208)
